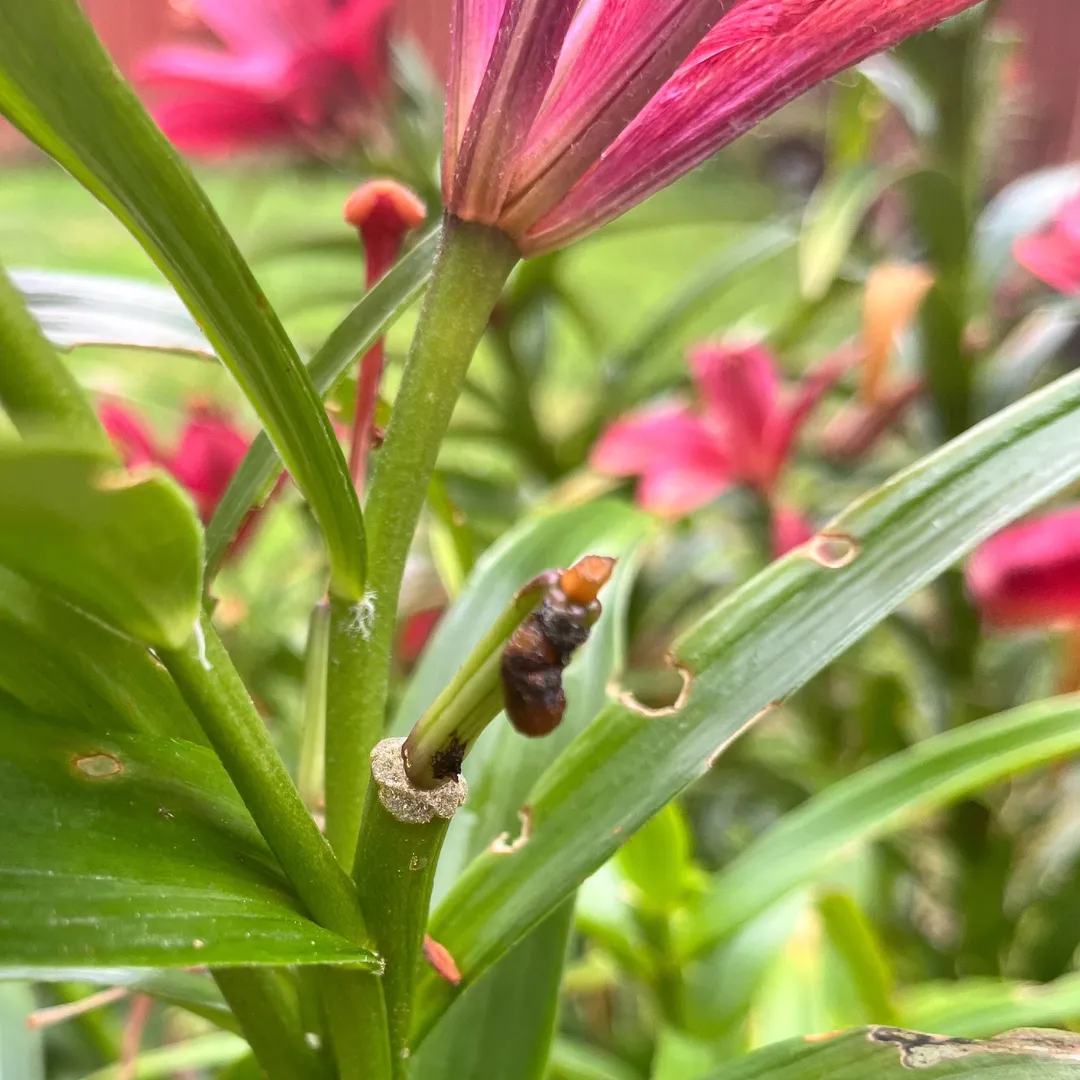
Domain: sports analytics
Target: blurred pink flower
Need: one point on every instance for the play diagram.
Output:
(289, 71)
(789, 530)
(1053, 256)
(562, 115)
(742, 432)
(1029, 575)
(205, 460)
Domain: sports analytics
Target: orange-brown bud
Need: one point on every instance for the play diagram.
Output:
(584, 580)
(894, 294)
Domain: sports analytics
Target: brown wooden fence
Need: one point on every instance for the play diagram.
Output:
(1051, 29)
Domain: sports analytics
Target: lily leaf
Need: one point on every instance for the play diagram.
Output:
(127, 549)
(886, 1053)
(95, 309)
(124, 851)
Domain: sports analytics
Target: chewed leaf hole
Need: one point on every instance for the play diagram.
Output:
(833, 550)
(659, 693)
(97, 766)
(503, 845)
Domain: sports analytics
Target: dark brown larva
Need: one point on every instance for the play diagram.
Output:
(541, 647)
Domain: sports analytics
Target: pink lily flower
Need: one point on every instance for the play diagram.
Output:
(1054, 256)
(205, 459)
(1028, 575)
(562, 115)
(290, 71)
(742, 432)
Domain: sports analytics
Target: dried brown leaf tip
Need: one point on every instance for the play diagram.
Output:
(438, 956)
(539, 650)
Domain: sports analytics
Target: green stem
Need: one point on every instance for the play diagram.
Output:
(473, 263)
(399, 847)
(311, 771)
(269, 1017)
(36, 388)
(352, 726)
(204, 673)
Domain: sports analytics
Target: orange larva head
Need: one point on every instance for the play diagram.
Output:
(584, 580)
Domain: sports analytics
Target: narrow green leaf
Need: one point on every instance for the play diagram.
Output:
(127, 851)
(22, 1050)
(204, 1052)
(62, 663)
(880, 799)
(898, 85)
(975, 1008)
(196, 993)
(886, 1053)
(853, 937)
(757, 248)
(760, 644)
(571, 1060)
(1026, 356)
(126, 549)
(96, 309)
(59, 87)
(360, 329)
(833, 216)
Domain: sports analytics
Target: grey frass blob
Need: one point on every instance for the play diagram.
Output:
(406, 802)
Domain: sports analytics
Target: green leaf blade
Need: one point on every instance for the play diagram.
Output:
(129, 851)
(125, 548)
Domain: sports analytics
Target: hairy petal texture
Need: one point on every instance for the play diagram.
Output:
(522, 63)
(473, 26)
(760, 56)
(1029, 575)
(617, 55)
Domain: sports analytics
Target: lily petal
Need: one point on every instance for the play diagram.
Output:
(617, 54)
(1054, 256)
(473, 27)
(680, 489)
(786, 422)
(260, 24)
(1029, 574)
(662, 434)
(740, 388)
(760, 56)
(218, 125)
(519, 71)
(130, 436)
(183, 67)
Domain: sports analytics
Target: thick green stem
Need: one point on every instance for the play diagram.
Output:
(352, 726)
(36, 388)
(474, 262)
(403, 833)
(204, 673)
(269, 1017)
